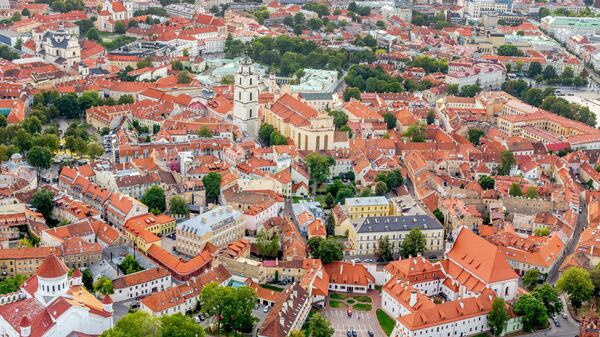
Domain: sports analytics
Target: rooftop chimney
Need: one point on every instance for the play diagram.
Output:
(413, 298)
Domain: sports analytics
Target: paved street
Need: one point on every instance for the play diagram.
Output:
(568, 327)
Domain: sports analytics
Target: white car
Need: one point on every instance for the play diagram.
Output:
(266, 309)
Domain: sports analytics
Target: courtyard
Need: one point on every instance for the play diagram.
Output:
(363, 317)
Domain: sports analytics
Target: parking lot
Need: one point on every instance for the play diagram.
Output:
(362, 322)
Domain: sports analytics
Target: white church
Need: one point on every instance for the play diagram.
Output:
(51, 304)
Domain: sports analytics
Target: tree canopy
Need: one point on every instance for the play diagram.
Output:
(577, 283)
(413, 244)
(212, 187)
(154, 198)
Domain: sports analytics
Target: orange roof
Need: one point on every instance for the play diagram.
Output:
(341, 272)
(52, 267)
(474, 255)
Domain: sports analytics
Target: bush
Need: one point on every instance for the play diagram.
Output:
(338, 304)
(363, 298)
(336, 296)
(362, 307)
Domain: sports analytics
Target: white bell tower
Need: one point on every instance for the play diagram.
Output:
(245, 100)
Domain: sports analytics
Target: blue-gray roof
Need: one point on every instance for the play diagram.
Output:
(397, 223)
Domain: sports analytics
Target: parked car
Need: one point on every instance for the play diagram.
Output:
(371, 334)
(256, 306)
(354, 333)
(557, 323)
(564, 315)
(348, 333)
(202, 318)
(266, 309)
(134, 305)
(349, 312)
(198, 319)
(368, 260)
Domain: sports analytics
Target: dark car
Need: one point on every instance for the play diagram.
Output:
(354, 333)
(349, 333)
(371, 334)
(557, 323)
(349, 312)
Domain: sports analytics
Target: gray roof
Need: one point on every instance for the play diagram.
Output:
(397, 223)
(316, 96)
(210, 221)
(366, 201)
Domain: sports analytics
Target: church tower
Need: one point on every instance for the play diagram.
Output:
(245, 100)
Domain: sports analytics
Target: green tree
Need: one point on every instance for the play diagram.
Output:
(87, 279)
(319, 167)
(535, 68)
(532, 192)
(178, 206)
(384, 249)
(531, 278)
(439, 215)
(340, 118)
(413, 244)
(381, 188)
(313, 245)
(212, 187)
(498, 316)
(417, 132)
(129, 265)
(126, 99)
(180, 325)
(507, 161)
(576, 282)
(184, 77)
(40, 158)
(475, 136)
(315, 23)
(267, 246)
(487, 182)
(94, 150)
(509, 50)
(205, 132)
(43, 202)
(351, 92)
(515, 190)
(320, 326)
(329, 250)
(11, 284)
(452, 89)
(541, 231)
(549, 296)
(430, 117)
(390, 120)
(146, 62)
(329, 201)
(232, 306)
(25, 12)
(532, 310)
(154, 198)
(103, 286)
(264, 133)
(120, 27)
(469, 90)
(136, 324)
(549, 72)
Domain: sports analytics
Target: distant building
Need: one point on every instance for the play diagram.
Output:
(245, 98)
(362, 207)
(364, 235)
(220, 226)
(577, 25)
(140, 284)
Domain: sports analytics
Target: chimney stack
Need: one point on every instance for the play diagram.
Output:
(413, 298)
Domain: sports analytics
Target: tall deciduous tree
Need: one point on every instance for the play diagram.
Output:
(267, 246)
(576, 282)
(103, 286)
(319, 167)
(178, 206)
(154, 198)
(413, 244)
(507, 161)
(40, 158)
(43, 201)
(549, 296)
(320, 326)
(533, 312)
(212, 186)
(137, 324)
(384, 249)
(498, 316)
(531, 278)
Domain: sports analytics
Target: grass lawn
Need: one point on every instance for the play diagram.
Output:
(271, 287)
(338, 304)
(336, 296)
(363, 298)
(385, 321)
(362, 307)
(350, 301)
